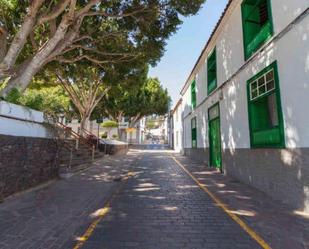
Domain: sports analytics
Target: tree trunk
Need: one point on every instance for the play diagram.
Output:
(20, 38)
(24, 77)
(3, 43)
(83, 122)
(120, 135)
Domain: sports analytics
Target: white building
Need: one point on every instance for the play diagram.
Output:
(176, 129)
(244, 103)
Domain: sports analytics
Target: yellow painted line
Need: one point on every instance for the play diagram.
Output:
(234, 217)
(100, 214)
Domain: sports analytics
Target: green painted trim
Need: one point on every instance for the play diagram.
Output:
(282, 144)
(209, 135)
(193, 94)
(211, 88)
(194, 131)
(270, 17)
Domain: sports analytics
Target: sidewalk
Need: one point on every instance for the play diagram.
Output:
(51, 217)
(279, 225)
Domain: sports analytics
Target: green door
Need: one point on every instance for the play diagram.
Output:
(214, 137)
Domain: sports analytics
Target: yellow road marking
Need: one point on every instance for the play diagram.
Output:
(101, 214)
(234, 217)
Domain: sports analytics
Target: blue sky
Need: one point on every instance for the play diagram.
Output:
(184, 48)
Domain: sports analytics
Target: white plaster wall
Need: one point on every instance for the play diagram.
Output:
(201, 83)
(178, 128)
(14, 127)
(187, 132)
(20, 112)
(200, 128)
(25, 127)
(293, 70)
(230, 49)
(285, 11)
(186, 104)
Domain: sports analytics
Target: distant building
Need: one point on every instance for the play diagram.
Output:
(176, 142)
(135, 134)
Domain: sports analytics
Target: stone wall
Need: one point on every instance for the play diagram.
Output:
(26, 162)
(281, 173)
(114, 149)
(198, 154)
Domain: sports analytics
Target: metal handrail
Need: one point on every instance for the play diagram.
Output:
(89, 133)
(75, 134)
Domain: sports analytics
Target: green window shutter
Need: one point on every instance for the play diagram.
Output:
(257, 24)
(193, 94)
(193, 133)
(212, 72)
(264, 109)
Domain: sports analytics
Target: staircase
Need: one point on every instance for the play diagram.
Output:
(78, 151)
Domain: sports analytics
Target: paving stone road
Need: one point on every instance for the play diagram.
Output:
(161, 207)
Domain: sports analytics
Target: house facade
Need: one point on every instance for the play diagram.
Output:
(177, 131)
(243, 106)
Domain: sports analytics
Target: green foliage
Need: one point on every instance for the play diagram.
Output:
(152, 124)
(51, 100)
(126, 40)
(115, 136)
(14, 96)
(143, 99)
(104, 135)
(109, 124)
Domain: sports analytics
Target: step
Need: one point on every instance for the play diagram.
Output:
(68, 172)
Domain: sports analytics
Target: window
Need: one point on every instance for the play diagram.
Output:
(177, 138)
(193, 94)
(265, 115)
(257, 24)
(212, 72)
(193, 132)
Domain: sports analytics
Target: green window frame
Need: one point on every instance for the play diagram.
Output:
(212, 72)
(194, 132)
(257, 24)
(193, 94)
(264, 109)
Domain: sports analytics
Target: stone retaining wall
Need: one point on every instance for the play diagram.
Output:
(281, 173)
(114, 149)
(26, 162)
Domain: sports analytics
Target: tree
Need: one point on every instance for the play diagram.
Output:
(39, 33)
(134, 102)
(109, 125)
(152, 124)
(85, 88)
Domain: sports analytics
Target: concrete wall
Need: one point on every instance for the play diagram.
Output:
(17, 120)
(272, 170)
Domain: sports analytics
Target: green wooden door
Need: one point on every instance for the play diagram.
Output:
(214, 137)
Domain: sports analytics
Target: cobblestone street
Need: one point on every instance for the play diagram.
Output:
(158, 206)
(161, 207)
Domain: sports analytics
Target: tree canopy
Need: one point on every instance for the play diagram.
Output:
(135, 102)
(109, 124)
(36, 34)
